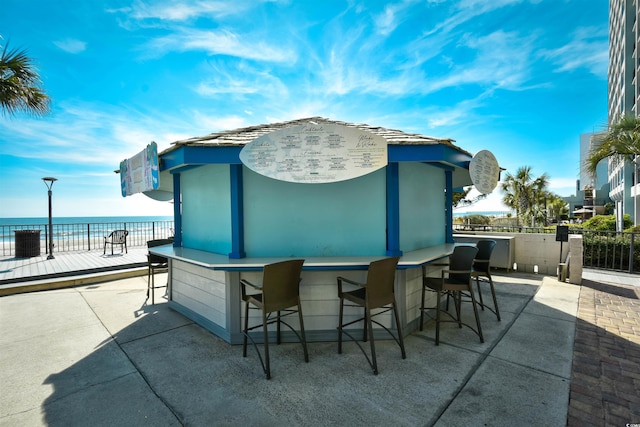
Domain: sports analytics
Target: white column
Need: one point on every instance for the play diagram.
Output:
(577, 256)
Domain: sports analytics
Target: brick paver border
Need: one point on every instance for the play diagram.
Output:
(605, 378)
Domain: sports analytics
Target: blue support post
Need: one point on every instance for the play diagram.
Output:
(393, 210)
(448, 206)
(177, 211)
(237, 212)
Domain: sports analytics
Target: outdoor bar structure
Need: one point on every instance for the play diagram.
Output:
(338, 195)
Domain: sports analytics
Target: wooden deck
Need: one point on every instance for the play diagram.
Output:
(67, 264)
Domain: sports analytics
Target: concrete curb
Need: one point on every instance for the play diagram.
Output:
(68, 282)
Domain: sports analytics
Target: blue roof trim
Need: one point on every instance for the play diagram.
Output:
(201, 155)
(428, 153)
(191, 156)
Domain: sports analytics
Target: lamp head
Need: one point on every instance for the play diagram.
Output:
(48, 181)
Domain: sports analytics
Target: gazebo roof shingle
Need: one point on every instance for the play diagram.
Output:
(243, 136)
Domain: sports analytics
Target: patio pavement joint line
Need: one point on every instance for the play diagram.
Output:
(483, 357)
(133, 364)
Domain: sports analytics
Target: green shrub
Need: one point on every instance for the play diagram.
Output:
(476, 219)
(601, 223)
(606, 223)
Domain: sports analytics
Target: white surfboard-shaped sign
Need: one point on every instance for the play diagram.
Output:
(484, 171)
(316, 153)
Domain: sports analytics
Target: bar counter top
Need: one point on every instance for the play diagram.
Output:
(215, 261)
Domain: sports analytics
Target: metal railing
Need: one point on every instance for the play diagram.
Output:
(607, 250)
(85, 236)
(502, 228)
(611, 250)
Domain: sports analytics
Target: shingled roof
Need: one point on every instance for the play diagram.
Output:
(245, 135)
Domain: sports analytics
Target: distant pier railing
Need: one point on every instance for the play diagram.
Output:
(85, 236)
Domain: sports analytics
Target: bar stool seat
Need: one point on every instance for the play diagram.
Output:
(280, 292)
(156, 263)
(377, 292)
(454, 281)
(482, 268)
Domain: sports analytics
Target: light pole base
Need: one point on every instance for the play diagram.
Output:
(50, 257)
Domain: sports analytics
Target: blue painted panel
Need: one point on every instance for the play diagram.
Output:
(206, 209)
(287, 219)
(422, 210)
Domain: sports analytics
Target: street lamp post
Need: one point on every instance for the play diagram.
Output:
(48, 181)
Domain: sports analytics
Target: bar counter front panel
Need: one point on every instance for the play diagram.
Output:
(205, 287)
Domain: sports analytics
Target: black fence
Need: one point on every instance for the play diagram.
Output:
(608, 250)
(80, 236)
(502, 228)
(611, 250)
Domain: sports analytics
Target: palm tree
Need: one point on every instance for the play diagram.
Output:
(20, 84)
(622, 138)
(525, 194)
(557, 207)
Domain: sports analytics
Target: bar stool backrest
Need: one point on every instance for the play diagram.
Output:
(281, 285)
(380, 280)
(157, 242)
(485, 249)
(462, 260)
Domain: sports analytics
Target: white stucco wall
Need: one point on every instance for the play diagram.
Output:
(542, 251)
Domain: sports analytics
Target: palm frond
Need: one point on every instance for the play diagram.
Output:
(621, 139)
(20, 84)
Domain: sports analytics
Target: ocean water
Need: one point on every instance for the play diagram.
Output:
(81, 220)
(93, 227)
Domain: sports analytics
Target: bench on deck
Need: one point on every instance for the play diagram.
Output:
(116, 237)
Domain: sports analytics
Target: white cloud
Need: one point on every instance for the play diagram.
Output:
(71, 45)
(182, 10)
(241, 79)
(562, 186)
(500, 60)
(392, 15)
(496, 60)
(223, 42)
(449, 117)
(589, 48)
(87, 135)
(466, 10)
(179, 11)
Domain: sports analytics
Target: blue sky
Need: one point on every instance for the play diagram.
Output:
(521, 78)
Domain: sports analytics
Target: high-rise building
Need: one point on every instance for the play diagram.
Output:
(592, 191)
(624, 94)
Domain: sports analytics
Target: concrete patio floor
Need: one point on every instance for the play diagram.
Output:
(100, 355)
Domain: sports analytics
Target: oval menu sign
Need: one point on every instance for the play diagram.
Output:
(484, 171)
(315, 153)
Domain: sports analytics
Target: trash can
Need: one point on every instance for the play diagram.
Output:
(27, 243)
